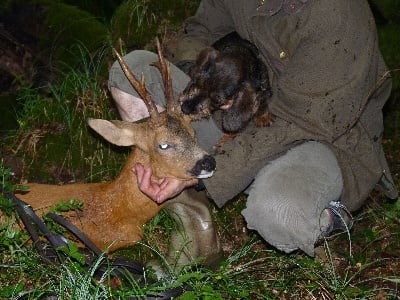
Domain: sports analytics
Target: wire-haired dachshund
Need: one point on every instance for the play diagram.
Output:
(229, 76)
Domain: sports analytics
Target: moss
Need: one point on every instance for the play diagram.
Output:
(8, 112)
(59, 157)
(133, 23)
(54, 136)
(137, 22)
(389, 42)
(67, 26)
(390, 9)
(100, 8)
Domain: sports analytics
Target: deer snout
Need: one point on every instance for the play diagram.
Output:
(204, 168)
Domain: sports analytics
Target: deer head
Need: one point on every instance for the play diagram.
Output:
(167, 138)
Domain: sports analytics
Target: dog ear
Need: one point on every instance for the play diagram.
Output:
(245, 105)
(208, 54)
(205, 64)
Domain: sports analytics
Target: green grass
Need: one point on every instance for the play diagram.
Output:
(366, 268)
(137, 22)
(53, 138)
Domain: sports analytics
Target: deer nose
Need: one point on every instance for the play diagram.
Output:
(204, 168)
(208, 163)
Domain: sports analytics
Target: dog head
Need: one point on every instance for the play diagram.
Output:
(215, 81)
(221, 81)
(240, 111)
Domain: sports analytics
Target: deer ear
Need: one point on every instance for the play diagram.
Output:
(119, 133)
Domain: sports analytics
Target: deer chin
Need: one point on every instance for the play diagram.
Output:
(205, 174)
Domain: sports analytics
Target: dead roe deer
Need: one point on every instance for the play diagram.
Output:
(113, 213)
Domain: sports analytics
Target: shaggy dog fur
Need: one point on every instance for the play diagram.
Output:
(229, 76)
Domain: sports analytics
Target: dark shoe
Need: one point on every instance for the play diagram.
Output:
(341, 216)
(340, 219)
(385, 186)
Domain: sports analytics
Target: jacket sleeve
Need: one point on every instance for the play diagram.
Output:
(239, 160)
(211, 22)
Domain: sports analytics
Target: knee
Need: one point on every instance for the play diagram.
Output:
(283, 223)
(141, 58)
(272, 212)
(190, 214)
(287, 197)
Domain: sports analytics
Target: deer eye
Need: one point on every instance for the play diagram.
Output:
(164, 146)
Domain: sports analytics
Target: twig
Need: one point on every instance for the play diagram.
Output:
(365, 102)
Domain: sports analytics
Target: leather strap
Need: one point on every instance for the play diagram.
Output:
(73, 229)
(30, 219)
(115, 263)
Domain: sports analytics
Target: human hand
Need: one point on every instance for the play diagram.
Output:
(162, 189)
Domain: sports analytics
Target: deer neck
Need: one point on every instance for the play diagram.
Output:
(124, 187)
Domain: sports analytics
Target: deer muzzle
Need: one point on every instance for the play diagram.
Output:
(204, 168)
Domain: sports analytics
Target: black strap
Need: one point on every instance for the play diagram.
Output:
(73, 229)
(30, 219)
(116, 263)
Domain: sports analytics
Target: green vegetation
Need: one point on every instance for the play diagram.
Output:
(57, 120)
(136, 22)
(50, 137)
(251, 269)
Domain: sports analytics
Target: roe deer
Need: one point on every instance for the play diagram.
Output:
(113, 213)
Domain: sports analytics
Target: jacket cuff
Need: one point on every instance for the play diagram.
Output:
(200, 186)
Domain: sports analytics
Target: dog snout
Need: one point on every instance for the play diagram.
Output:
(192, 100)
(188, 107)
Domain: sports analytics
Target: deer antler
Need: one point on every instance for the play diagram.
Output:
(165, 71)
(140, 88)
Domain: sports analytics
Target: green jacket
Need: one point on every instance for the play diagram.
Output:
(325, 70)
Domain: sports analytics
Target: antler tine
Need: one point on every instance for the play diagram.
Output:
(165, 71)
(140, 87)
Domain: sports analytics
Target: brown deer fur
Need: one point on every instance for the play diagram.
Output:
(113, 213)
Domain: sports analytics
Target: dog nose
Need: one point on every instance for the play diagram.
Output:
(187, 107)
